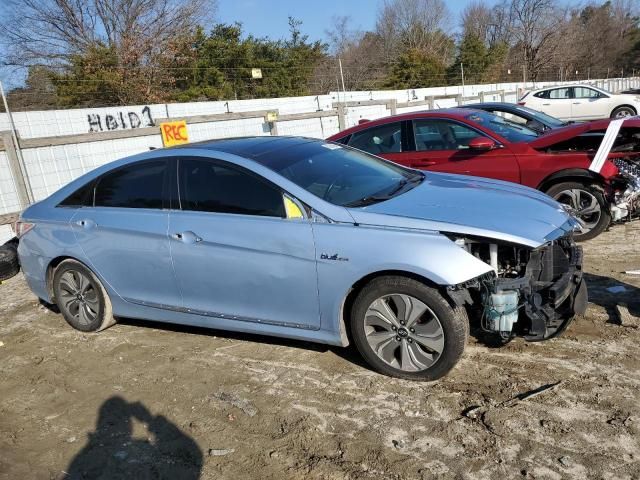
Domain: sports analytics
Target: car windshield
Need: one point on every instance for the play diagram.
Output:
(542, 117)
(341, 175)
(512, 131)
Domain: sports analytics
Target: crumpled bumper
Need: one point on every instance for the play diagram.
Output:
(556, 289)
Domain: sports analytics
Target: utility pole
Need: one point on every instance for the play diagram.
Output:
(342, 77)
(524, 75)
(462, 74)
(23, 169)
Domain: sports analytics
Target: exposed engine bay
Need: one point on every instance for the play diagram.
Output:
(625, 194)
(532, 293)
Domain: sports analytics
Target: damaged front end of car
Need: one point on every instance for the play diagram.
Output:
(625, 189)
(530, 292)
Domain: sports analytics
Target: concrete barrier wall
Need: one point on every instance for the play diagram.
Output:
(58, 146)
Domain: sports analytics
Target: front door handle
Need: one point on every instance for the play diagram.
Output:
(187, 237)
(424, 164)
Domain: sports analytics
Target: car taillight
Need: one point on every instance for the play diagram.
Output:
(21, 228)
(522, 104)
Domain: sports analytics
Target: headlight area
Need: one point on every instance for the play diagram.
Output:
(533, 293)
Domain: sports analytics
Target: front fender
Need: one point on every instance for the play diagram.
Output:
(347, 253)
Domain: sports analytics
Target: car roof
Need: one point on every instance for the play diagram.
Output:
(482, 105)
(455, 113)
(573, 85)
(250, 147)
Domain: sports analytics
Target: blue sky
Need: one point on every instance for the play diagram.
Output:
(269, 17)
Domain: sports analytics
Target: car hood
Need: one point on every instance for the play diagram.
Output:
(573, 130)
(473, 206)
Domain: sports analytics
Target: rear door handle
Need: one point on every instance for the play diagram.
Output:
(86, 223)
(187, 237)
(424, 164)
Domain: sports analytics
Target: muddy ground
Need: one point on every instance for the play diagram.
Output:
(144, 400)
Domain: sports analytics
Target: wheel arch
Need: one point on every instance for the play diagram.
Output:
(356, 288)
(570, 175)
(51, 268)
(624, 105)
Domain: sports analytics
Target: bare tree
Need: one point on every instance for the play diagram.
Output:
(535, 28)
(51, 31)
(119, 48)
(418, 25)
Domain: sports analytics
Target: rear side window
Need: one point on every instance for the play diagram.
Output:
(208, 186)
(82, 197)
(584, 92)
(542, 94)
(135, 186)
(381, 139)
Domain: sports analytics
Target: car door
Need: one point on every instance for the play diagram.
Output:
(589, 104)
(557, 102)
(236, 254)
(442, 145)
(386, 141)
(123, 232)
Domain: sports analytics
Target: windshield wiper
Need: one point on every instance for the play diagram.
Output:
(370, 199)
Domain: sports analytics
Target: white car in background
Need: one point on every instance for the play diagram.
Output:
(581, 102)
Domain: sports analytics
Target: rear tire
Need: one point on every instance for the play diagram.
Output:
(81, 298)
(9, 263)
(588, 202)
(623, 112)
(405, 329)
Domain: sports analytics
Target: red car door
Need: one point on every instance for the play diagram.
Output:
(443, 145)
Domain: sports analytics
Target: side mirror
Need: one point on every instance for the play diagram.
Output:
(482, 144)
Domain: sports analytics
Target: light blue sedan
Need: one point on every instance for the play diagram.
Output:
(304, 239)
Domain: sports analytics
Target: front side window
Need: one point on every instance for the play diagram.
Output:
(560, 93)
(378, 140)
(439, 134)
(208, 186)
(139, 185)
(584, 92)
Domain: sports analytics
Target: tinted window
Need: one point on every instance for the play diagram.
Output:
(560, 93)
(442, 135)
(541, 117)
(83, 197)
(381, 139)
(542, 94)
(504, 128)
(340, 175)
(135, 186)
(208, 186)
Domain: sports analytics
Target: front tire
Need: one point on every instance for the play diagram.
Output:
(81, 298)
(588, 204)
(405, 329)
(623, 112)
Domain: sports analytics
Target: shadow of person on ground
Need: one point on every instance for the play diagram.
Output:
(599, 294)
(113, 453)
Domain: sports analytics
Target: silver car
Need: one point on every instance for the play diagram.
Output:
(305, 239)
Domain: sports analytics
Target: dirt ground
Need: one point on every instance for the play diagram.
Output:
(144, 400)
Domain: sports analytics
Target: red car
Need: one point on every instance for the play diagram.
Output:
(476, 142)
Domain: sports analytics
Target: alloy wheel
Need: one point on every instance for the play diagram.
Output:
(624, 113)
(404, 332)
(78, 297)
(584, 205)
